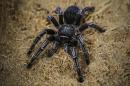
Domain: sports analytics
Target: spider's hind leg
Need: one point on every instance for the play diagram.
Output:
(76, 64)
(84, 50)
(37, 39)
(38, 52)
(51, 51)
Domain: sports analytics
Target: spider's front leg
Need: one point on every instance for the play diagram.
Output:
(82, 13)
(73, 54)
(38, 52)
(36, 40)
(84, 50)
(92, 25)
(59, 12)
(88, 10)
(53, 20)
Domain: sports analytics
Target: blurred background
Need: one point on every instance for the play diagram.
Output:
(22, 20)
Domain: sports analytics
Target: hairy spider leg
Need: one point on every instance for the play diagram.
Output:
(82, 13)
(36, 40)
(72, 51)
(92, 25)
(84, 50)
(37, 53)
(59, 12)
(76, 64)
(61, 22)
(66, 47)
(53, 20)
(87, 9)
(53, 49)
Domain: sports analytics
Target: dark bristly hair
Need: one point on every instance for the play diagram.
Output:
(70, 14)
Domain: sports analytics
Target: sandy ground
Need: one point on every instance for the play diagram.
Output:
(109, 52)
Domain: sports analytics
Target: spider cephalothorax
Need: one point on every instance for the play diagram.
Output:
(68, 35)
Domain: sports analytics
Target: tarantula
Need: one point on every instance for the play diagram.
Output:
(68, 35)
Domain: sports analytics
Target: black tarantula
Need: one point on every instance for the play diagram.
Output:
(68, 34)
